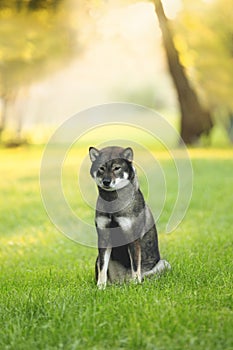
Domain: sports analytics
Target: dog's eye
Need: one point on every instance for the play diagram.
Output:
(116, 168)
(102, 169)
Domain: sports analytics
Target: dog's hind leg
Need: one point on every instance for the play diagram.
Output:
(117, 273)
(102, 266)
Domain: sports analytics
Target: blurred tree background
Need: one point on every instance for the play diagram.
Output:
(41, 37)
(36, 38)
(204, 39)
(195, 120)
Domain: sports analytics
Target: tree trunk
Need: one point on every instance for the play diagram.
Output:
(194, 119)
(3, 116)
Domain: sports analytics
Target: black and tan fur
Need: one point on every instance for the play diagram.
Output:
(127, 235)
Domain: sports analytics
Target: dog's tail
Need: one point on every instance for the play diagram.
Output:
(158, 269)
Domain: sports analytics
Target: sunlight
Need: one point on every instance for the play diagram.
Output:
(111, 67)
(172, 7)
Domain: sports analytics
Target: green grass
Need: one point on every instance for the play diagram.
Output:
(48, 297)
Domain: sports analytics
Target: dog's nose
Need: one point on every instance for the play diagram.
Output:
(106, 182)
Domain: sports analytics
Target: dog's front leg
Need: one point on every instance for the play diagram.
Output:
(102, 266)
(134, 250)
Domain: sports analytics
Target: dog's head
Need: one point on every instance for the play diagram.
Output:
(111, 167)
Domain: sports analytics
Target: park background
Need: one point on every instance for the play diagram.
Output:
(58, 57)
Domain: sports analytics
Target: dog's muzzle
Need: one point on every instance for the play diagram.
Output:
(106, 182)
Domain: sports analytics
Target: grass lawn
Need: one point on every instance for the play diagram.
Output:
(48, 297)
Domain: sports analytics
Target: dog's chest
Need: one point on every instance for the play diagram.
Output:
(112, 221)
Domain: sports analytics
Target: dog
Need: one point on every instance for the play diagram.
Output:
(127, 236)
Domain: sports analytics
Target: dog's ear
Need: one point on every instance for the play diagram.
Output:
(93, 153)
(128, 154)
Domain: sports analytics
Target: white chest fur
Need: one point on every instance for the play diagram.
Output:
(124, 223)
(102, 222)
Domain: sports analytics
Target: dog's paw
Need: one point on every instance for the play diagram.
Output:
(101, 285)
(136, 279)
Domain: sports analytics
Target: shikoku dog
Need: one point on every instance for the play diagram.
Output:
(127, 235)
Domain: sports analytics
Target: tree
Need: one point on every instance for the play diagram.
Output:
(35, 38)
(195, 120)
(204, 33)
